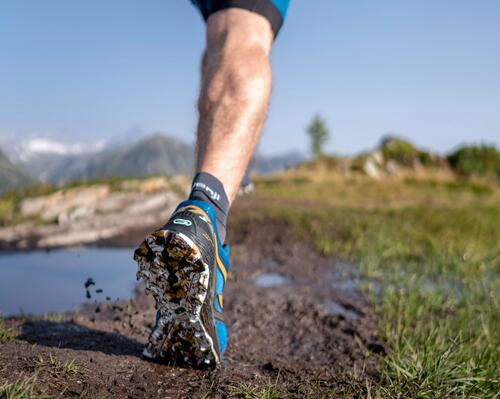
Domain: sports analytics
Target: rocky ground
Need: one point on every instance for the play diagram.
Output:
(298, 328)
(90, 214)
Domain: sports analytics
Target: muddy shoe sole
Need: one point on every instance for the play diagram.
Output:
(174, 273)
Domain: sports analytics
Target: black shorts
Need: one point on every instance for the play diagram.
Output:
(273, 10)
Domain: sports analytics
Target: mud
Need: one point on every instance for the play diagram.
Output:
(299, 334)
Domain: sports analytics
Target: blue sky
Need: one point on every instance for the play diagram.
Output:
(429, 70)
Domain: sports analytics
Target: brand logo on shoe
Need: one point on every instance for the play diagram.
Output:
(211, 192)
(184, 222)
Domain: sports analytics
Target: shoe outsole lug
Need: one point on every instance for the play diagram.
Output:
(178, 280)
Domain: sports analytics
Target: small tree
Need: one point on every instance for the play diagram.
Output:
(318, 133)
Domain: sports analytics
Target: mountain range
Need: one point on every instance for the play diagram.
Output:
(12, 176)
(51, 161)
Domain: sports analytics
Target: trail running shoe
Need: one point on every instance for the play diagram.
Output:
(184, 266)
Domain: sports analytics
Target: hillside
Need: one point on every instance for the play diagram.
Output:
(268, 164)
(11, 176)
(156, 154)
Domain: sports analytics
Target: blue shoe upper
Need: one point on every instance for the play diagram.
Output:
(222, 249)
(222, 268)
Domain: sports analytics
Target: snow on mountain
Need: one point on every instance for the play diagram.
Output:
(47, 158)
(30, 148)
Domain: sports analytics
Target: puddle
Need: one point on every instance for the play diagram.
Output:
(337, 309)
(273, 264)
(346, 270)
(268, 280)
(346, 285)
(38, 282)
(346, 277)
(447, 287)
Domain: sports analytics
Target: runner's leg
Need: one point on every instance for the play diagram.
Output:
(234, 96)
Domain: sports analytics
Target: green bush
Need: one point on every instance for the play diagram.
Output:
(405, 153)
(397, 149)
(359, 160)
(482, 160)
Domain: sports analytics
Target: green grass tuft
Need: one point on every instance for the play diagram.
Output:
(6, 334)
(250, 391)
(21, 389)
(55, 317)
(54, 364)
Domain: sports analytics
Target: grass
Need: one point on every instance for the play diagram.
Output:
(6, 334)
(25, 388)
(7, 210)
(54, 364)
(21, 389)
(267, 390)
(434, 248)
(55, 317)
(251, 391)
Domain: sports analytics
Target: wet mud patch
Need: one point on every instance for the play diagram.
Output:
(293, 329)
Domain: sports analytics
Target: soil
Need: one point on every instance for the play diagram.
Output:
(304, 330)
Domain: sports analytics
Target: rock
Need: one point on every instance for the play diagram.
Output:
(391, 167)
(88, 215)
(373, 165)
(73, 215)
(78, 237)
(154, 184)
(156, 201)
(49, 207)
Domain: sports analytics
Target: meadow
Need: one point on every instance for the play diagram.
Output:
(428, 249)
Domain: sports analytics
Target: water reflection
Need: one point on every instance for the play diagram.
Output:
(38, 282)
(268, 280)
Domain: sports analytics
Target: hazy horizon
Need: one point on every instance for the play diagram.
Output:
(72, 145)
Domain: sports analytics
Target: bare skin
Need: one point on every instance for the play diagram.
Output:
(234, 97)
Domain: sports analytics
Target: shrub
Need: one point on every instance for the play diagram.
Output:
(399, 150)
(482, 160)
(405, 153)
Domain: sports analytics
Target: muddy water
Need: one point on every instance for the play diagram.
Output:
(269, 280)
(38, 282)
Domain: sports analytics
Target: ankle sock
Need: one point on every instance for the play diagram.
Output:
(208, 188)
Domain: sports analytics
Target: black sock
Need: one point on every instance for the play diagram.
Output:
(210, 189)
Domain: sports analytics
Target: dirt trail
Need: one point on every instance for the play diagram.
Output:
(303, 329)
